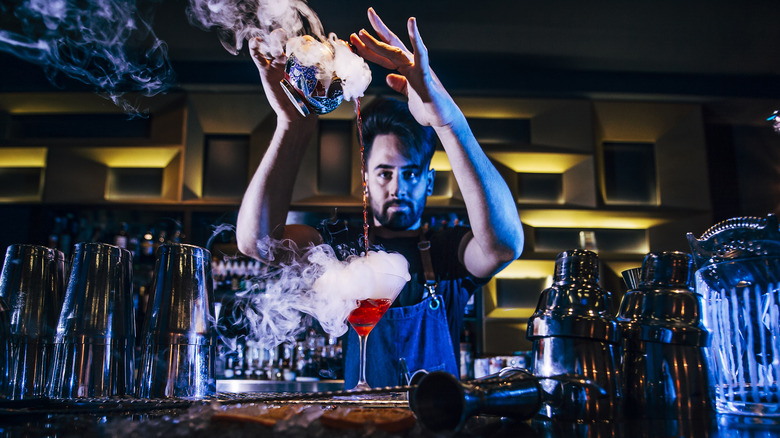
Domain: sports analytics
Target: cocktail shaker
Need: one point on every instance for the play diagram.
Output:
(573, 333)
(663, 343)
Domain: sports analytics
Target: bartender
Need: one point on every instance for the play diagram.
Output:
(421, 330)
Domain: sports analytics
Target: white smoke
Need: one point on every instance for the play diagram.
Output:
(316, 283)
(281, 26)
(108, 44)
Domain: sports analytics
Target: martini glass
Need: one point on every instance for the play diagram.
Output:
(368, 313)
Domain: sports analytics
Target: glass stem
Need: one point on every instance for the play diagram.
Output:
(362, 378)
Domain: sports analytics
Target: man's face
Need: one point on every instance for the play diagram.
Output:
(397, 187)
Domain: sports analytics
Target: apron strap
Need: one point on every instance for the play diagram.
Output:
(424, 246)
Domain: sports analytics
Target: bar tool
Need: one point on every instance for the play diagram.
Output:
(574, 333)
(32, 282)
(632, 277)
(738, 277)
(663, 343)
(443, 403)
(179, 336)
(94, 345)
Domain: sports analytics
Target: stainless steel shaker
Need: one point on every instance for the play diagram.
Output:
(574, 333)
(179, 337)
(32, 282)
(94, 345)
(663, 343)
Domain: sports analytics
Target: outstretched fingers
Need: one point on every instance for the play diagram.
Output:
(384, 32)
(386, 55)
(359, 43)
(257, 55)
(420, 51)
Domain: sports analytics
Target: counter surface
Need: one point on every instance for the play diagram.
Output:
(169, 418)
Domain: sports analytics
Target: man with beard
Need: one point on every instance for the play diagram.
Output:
(424, 324)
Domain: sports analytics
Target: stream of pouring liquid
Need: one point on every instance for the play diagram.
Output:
(363, 176)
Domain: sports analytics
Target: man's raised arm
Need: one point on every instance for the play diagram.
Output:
(266, 201)
(497, 233)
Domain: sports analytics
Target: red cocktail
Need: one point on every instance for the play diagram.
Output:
(368, 313)
(363, 319)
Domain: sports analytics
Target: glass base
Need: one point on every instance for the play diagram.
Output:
(745, 421)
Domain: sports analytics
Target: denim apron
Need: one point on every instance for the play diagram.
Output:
(419, 334)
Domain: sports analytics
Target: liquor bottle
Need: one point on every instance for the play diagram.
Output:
(466, 361)
(120, 239)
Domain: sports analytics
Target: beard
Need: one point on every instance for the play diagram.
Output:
(401, 219)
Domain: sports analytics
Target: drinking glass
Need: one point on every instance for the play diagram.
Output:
(179, 336)
(94, 345)
(368, 313)
(31, 284)
(738, 279)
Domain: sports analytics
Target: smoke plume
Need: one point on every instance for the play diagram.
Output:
(108, 44)
(280, 26)
(316, 283)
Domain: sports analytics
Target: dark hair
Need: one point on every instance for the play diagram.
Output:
(390, 116)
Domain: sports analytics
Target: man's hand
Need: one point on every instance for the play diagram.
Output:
(429, 102)
(271, 70)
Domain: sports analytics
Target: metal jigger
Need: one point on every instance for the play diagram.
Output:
(94, 352)
(573, 333)
(32, 282)
(179, 337)
(443, 403)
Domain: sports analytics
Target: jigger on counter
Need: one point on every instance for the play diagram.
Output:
(179, 337)
(574, 333)
(31, 284)
(94, 345)
(663, 343)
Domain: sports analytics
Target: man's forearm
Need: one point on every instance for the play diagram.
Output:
(491, 208)
(266, 201)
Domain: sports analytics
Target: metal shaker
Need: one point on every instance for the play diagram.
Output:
(663, 343)
(574, 333)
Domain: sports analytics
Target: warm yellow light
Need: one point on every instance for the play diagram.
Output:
(47, 103)
(621, 220)
(440, 162)
(23, 157)
(130, 157)
(527, 269)
(498, 108)
(619, 266)
(512, 313)
(529, 162)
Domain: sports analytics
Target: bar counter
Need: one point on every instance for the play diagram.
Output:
(176, 417)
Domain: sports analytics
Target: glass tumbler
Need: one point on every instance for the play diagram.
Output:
(94, 345)
(31, 284)
(738, 278)
(179, 337)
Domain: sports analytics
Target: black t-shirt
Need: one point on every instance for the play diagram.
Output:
(455, 284)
